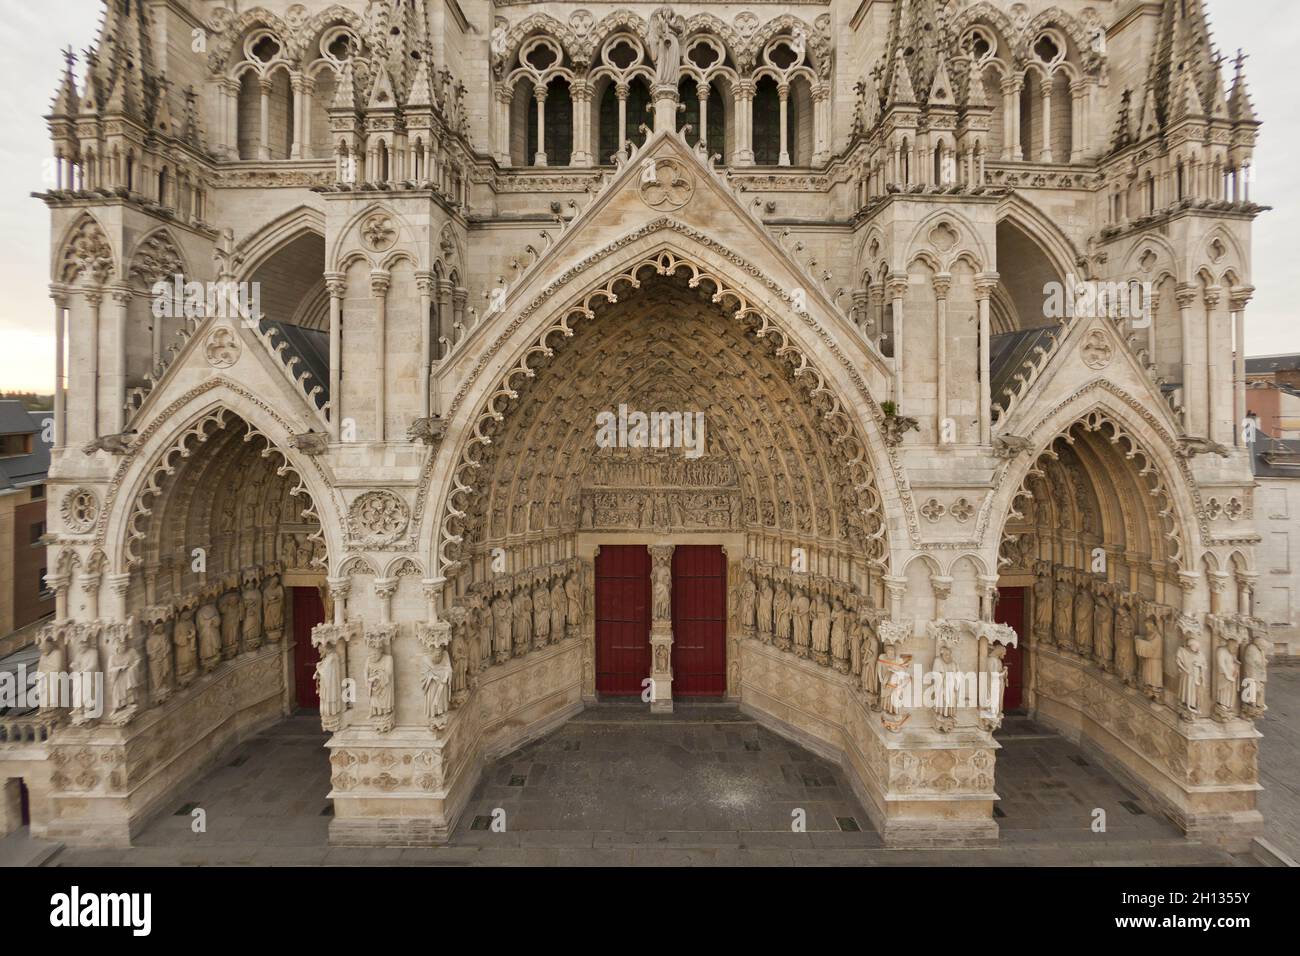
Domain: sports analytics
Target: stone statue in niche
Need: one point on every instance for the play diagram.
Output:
(784, 618)
(1083, 615)
(661, 589)
(85, 660)
(1254, 676)
(1064, 610)
(1191, 677)
(1227, 673)
(801, 612)
(329, 678)
(208, 620)
(1103, 629)
(185, 637)
(252, 604)
(1150, 650)
(158, 648)
(748, 599)
(841, 636)
(1125, 656)
(502, 615)
(231, 606)
(379, 682)
(462, 657)
(51, 641)
(995, 666)
(946, 679)
(1043, 609)
(541, 614)
(821, 631)
(573, 593)
(123, 667)
(559, 610)
(437, 681)
(522, 635)
(765, 596)
(893, 670)
(870, 673)
(273, 608)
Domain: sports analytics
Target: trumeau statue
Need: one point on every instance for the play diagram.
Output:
(661, 588)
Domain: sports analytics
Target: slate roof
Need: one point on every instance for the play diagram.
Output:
(19, 470)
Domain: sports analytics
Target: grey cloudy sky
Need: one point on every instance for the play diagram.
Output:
(33, 33)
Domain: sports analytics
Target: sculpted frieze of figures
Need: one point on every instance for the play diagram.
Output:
(164, 649)
(1219, 660)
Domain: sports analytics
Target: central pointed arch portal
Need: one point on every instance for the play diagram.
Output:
(783, 499)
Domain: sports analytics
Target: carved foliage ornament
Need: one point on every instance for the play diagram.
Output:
(378, 232)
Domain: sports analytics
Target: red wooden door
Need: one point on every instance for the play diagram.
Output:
(622, 618)
(308, 611)
(1010, 610)
(699, 621)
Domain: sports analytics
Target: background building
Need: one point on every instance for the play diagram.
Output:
(24, 462)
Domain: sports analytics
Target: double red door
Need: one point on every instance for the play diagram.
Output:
(699, 620)
(1010, 610)
(622, 618)
(308, 611)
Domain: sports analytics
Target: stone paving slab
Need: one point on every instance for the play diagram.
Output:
(615, 786)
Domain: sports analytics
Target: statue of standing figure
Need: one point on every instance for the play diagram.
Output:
(329, 685)
(232, 612)
(1191, 677)
(765, 595)
(379, 682)
(208, 620)
(252, 603)
(1227, 674)
(573, 593)
(1125, 658)
(1043, 609)
(522, 603)
(559, 611)
(273, 609)
(158, 648)
(1150, 649)
(1083, 609)
(123, 672)
(502, 615)
(784, 618)
(661, 587)
(841, 635)
(1254, 676)
(437, 677)
(748, 600)
(185, 635)
(541, 614)
(664, 44)
(1103, 629)
(821, 630)
(801, 612)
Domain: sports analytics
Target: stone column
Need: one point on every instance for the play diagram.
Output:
(580, 93)
(424, 286)
(984, 286)
(942, 285)
(661, 628)
(379, 279)
(621, 91)
(539, 94)
(1191, 412)
(1080, 97)
(1045, 154)
(744, 108)
(264, 135)
(337, 287)
(665, 102)
(60, 296)
(1213, 364)
(897, 290)
(1011, 87)
(821, 97)
(1239, 298)
(121, 298)
(93, 300)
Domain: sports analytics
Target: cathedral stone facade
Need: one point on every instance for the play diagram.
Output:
(937, 304)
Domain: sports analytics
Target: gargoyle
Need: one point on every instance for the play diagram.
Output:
(896, 426)
(118, 444)
(1190, 447)
(428, 430)
(310, 443)
(1009, 446)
